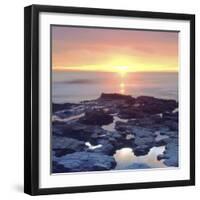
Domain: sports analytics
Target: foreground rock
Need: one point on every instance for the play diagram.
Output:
(143, 140)
(107, 148)
(138, 166)
(138, 121)
(64, 145)
(78, 131)
(83, 161)
(170, 155)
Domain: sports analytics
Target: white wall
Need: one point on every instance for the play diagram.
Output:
(11, 98)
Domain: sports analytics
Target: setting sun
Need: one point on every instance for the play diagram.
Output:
(102, 81)
(122, 70)
(119, 51)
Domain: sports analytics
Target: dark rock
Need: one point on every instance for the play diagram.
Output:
(131, 112)
(138, 166)
(96, 117)
(152, 100)
(147, 121)
(121, 126)
(110, 143)
(171, 151)
(171, 134)
(115, 96)
(162, 156)
(56, 129)
(64, 145)
(142, 132)
(119, 140)
(107, 148)
(64, 113)
(171, 116)
(172, 125)
(131, 127)
(146, 100)
(57, 122)
(141, 150)
(146, 116)
(144, 140)
(56, 107)
(153, 122)
(147, 140)
(170, 155)
(78, 131)
(62, 152)
(161, 142)
(152, 105)
(86, 161)
(57, 168)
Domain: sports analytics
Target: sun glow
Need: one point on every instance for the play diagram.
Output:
(122, 70)
(109, 50)
(122, 85)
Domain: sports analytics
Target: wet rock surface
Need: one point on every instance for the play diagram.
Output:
(170, 155)
(138, 166)
(96, 117)
(64, 145)
(148, 122)
(84, 161)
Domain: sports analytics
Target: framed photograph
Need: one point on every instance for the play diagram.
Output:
(109, 99)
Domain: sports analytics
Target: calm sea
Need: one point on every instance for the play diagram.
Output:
(78, 86)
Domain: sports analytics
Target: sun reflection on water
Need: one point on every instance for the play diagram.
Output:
(122, 88)
(122, 71)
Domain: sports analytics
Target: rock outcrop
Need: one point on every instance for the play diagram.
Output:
(84, 161)
(75, 125)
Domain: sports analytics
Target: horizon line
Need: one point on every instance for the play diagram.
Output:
(107, 71)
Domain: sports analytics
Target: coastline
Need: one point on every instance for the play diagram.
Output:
(80, 141)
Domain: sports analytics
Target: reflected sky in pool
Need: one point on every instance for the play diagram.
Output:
(125, 157)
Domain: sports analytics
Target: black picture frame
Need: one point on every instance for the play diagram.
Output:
(31, 98)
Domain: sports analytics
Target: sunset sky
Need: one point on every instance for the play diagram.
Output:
(113, 50)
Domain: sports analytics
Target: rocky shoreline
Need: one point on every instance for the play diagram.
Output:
(80, 141)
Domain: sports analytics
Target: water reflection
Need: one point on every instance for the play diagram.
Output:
(74, 117)
(92, 147)
(122, 88)
(126, 157)
(122, 84)
(91, 85)
(111, 126)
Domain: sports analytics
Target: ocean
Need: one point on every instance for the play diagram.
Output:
(73, 87)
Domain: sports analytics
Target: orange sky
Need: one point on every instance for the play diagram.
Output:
(113, 50)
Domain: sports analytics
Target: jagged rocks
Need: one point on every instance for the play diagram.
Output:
(74, 125)
(170, 155)
(96, 117)
(64, 145)
(115, 96)
(78, 131)
(84, 161)
(138, 166)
